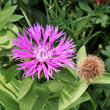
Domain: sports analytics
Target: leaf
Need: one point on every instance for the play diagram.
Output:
(107, 63)
(12, 27)
(81, 25)
(54, 86)
(73, 71)
(25, 86)
(105, 79)
(81, 53)
(103, 20)
(15, 18)
(106, 52)
(5, 53)
(1, 2)
(2, 77)
(6, 39)
(5, 15)
(85, 7)
(26, 1)
(15, 83)
(70, 94)
(45, 1)
(11, 73)
(8, 4)
(65, 75)
(35, 99)
(43, 95)
(52, 104)
(84, 97)
(8, 102)
(11, 88)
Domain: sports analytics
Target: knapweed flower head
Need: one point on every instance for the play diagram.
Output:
(90, 68)
(45, 50)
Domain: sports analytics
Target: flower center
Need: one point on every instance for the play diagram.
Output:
(43, 53)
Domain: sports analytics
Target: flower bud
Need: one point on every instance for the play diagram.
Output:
(90, 68)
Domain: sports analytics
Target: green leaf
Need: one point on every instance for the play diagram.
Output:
(35, 99)
(81, 53)
(8, 4)
(43, 95)
(5, 15)
(73, 71)
(103, 20)
(106, 52)
(2, 77)
(52, 104)
(26, 1)
(85, 7)
(8, 102)
(1, 108)
(1, 2)
(15, 83)
(107, 63)
(25, 86)
(81, 25)
(54, 86)
(11, 88)
(70, 94)
(12, 27)
(65, 75)
(11, 73)
(105, 79)
(6, 39)
(84, 97)
(45, 1)
(15, 18)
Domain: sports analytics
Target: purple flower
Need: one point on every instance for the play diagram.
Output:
(44, 50)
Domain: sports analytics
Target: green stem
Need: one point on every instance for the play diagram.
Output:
(9, 90)
(95, 107)
(26, 17)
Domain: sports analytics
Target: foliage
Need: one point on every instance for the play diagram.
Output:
(87, 23)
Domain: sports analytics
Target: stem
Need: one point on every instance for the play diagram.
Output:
(26, 17)
(93, 104)
(9, 90)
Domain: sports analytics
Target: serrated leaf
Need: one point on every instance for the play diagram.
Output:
(8, 102)
(65, 75)
(81, 53)
(25, 86)
(85, 7)
(12, 27)
(8, 4)
(70, 94)
(15, 18)
(11, 73)
(5, 15)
